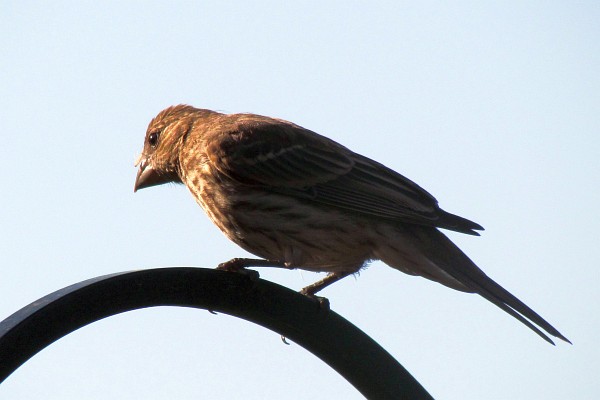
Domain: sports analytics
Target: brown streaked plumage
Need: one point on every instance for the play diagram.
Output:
(294, 197)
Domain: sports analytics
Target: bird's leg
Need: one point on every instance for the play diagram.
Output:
(238, 264)
(332, 277)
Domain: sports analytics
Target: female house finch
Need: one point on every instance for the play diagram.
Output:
(299, 199)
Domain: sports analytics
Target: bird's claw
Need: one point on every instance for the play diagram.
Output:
(233, 265)
(323, 302)
(238, 265)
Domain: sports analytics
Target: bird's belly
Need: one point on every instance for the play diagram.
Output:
(284, 229)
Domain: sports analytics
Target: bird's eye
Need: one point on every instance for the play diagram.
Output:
(153, 139)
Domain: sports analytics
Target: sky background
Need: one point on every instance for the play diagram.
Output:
(493, 107)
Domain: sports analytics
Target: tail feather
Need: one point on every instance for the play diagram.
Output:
(458, 224)
(496, 294)
(448, 257)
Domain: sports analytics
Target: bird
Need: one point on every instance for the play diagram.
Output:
(298, 199)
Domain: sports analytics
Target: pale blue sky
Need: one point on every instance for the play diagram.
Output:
(493, 107)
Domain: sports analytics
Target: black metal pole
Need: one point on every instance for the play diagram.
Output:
(344, 347)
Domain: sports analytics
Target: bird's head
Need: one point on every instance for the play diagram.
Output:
(159, 161)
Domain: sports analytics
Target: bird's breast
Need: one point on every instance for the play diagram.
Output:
(279, 227)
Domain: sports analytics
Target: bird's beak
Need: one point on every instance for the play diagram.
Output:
(147, 176)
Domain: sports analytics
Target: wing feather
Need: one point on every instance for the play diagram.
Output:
(288, 159)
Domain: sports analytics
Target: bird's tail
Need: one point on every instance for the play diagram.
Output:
(429, 253)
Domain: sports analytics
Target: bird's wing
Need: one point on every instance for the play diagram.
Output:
(288, 159)
(276, 154)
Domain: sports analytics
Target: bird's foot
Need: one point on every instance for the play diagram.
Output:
(323, 302)
(310, 291)
(235, 264)
(239, 265)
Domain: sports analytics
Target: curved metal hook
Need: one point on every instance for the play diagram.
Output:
(344, 347)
